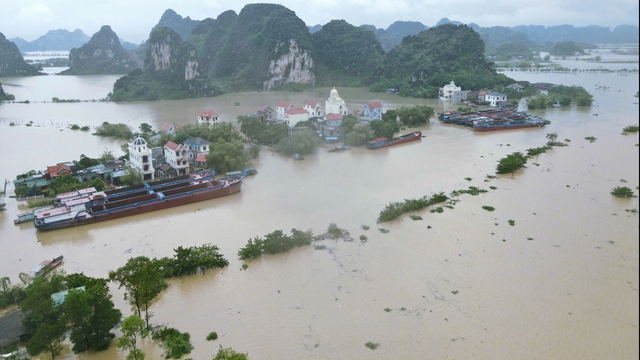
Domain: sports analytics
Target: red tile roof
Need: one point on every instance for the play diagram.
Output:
(311, 103)
(167, 127)
(264, 108)
(201, 158)
(296, 111)
(209, 113)
(54, 170)
(283, 105)
(374, 104)
(333, 117)
(171, 145)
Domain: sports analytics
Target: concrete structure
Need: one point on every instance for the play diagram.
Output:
(281, 108)
(495, 98)
(208, 118)
(293, 116)
(140, 158)
(313, 108)
(176, 156)
(373, 110)
(335, 104)
(195, 147)
(446, 91)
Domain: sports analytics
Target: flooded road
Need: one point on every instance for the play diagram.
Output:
(561, 283)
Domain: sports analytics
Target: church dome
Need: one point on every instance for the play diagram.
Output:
(334, 93)
(139, 141)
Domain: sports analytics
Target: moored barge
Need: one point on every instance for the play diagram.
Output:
(380, 143)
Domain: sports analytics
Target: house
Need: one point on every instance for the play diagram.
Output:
(165, 171)
(516, 86)
(313, 108)
(373, 110)
(196, 146)
(495, 98)
(446, 91)
(295, 115)
(328, 126)
(481, 95)
(176, 156)
(208, 118)
(335, 104)
(140, 158)
(543, 87)
(37, 180)
(56, 170)
(169, 128)
(201, 160)
(281, 108)
(265, 113)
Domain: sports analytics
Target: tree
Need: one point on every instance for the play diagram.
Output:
(133, 177)
(359, 136)
(416, 115)
(131, 327)
(189, 260)
(86, 162)
(145, 128)
(348, 124)
(301, 142)
(97, 183)
(511, 163)
(227, 156)
(42, 319)
(142, 282)
(107, 156)
(382, 129)
(64, 183)
(91, 315)
(229, 354)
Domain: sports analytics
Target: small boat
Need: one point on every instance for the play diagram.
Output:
(45, 267)
(384, 142)
(28, 215)
(340, 148)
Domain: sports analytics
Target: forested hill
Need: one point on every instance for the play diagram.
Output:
(424, 62)
(103, 54)
(343, 50)
(171, 71)
(11, 61)
(247, 51)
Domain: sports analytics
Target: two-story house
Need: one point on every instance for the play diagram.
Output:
(281, 108)
(293, 116)
(265, 114)
(176, 156)
(195, 147)
(495, 98)
(313, 108)
(208, 118)
(516, 86)
(373, 110)
(140, 158)
(329, 125)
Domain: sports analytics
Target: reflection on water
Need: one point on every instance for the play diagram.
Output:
(560, 283)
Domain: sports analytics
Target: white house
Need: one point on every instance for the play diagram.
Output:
(446, 91)
(140, 158)
(176, 156)
(169, 128)
(335, 104)
(196, 146)
(281, 108)
(516, 86)
(495, 98)
(209, 118)
(373, 110)
(293, 116)
(313, 108)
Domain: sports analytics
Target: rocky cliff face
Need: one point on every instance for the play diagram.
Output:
(11, 61)
(296, 66)
(170, 54)
(103, 54)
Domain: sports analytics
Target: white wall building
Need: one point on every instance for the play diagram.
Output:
(313, 108)
(140, 158)
(208, 118)
(495, 98)
(335, 104)
(446, 91)
(293, 116)
(281, 108)
(176, 156)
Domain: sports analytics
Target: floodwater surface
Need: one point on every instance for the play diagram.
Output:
(562, 282)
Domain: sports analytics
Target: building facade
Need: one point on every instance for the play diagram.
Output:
(335, 104)
(140, 158)
(176, 156)
(373, 110)
(208, 118)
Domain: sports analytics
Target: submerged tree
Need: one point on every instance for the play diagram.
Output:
(511, 163)
(131, 327)
(42, 319)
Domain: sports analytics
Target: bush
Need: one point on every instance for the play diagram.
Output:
(371, 345)
(212, 336)
(631, 129)
(176, 343)
(623, 192)
(488, 208)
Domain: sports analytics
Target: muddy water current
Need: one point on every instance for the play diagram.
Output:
(562, 282)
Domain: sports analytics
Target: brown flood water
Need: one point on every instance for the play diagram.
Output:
(460, 284)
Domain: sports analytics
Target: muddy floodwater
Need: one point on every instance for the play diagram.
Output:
(560, 283)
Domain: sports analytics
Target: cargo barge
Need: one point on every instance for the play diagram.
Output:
(380, 143)
(101, 206)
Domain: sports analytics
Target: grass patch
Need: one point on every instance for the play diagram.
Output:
(472, 191)
(395, 209)
(212, 336)
(512, 222)
(41, 203)
(319, 247)
(387, 310)
(631, 129)
(492, 187)
(364, 227)
(439, 209)
(371, 345)
(488, 208)
(591, 138)
(384, 231)
(468, 178)
(363, 238)
(416, 217)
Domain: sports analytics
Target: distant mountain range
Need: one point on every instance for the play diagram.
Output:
(60, 39)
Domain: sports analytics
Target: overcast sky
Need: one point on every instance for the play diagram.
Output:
(132, 20)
